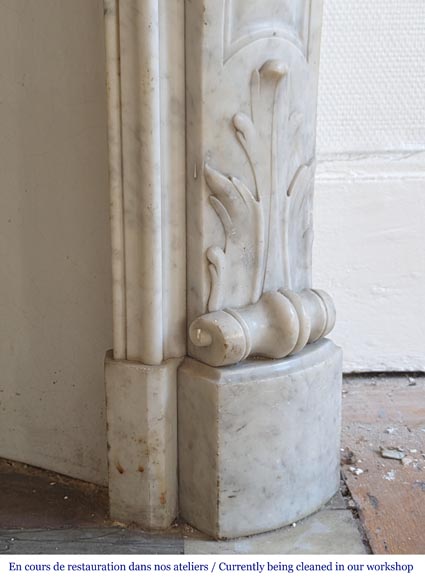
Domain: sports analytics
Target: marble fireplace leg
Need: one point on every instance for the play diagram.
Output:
(146, 105)
(220, 135)
(259, 392)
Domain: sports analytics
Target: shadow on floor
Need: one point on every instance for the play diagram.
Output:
(45, 513)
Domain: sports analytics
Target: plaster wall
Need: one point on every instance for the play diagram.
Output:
(55, 290)
(370, 187)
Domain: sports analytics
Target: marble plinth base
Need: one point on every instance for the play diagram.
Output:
(142, 441)
(259, 442)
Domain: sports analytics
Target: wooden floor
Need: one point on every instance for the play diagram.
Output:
(386, 416)
(45, 513)
(36, 498)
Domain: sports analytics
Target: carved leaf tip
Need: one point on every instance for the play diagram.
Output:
(243, 124)
(245, 193)
(228, 192)
(246, 133)
(275, 69)
(303, 175)
(217, 182)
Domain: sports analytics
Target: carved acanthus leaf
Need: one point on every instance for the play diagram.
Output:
(250, 219)
(267, 230)
(241, 216)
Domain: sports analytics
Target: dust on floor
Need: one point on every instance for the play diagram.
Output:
(384, 459)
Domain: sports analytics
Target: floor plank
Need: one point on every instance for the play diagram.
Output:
(110, 540)
(387, 413)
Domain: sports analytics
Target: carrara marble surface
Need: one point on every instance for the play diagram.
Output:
(251, 87)
(259, 442)
(212, 173)
(146, 106)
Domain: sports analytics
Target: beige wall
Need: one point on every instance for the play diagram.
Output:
(55, 297)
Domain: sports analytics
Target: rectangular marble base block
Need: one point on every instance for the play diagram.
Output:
(259, 442)
(142, 441)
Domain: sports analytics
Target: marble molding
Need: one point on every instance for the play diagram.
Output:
(212, 117)
(146, 103)
(146, 107)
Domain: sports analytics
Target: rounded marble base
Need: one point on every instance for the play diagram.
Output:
(259, 442)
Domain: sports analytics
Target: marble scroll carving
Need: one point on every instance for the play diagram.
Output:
(279, 324)
(266, 255)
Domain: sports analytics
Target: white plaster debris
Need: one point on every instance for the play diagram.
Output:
(390, 475)
(391, 453)
(356, 470)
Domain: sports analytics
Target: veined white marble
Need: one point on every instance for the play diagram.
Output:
(146, 98)
(142, 435)
(145, 65)
(279, 324)
(251, 120)
(259, 442)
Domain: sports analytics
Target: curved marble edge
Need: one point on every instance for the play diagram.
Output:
(257, 369)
